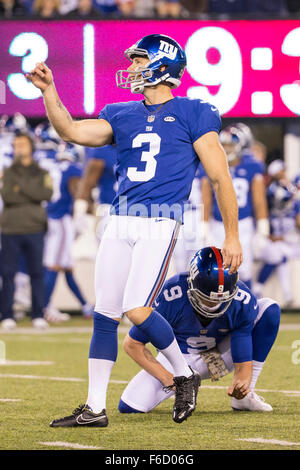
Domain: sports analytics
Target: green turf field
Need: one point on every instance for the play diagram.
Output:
(33, 393)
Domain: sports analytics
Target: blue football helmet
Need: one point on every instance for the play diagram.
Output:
(161, 50)
(69, 152)
(209, 282)
(236, 138)
(280, 195)
(13, 124)
(47, 136)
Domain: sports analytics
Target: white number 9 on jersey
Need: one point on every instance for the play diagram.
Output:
(147, 156)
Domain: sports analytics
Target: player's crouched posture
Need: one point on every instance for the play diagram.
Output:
(219, 326)
(159, 142)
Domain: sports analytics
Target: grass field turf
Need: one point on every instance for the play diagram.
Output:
(24, 424)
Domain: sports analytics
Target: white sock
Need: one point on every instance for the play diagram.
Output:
(99, 375)
(177, 360)
(256, 370)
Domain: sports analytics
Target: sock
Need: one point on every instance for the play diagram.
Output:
(256, 370)
(161, 335)
(102, 356)
(50, 281)
(265, 272)
(74, 287)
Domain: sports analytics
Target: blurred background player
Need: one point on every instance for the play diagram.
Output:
(248, 182)
(220, 327)
(284, 241)
(99, 175)
(66, 175)
(193, 231)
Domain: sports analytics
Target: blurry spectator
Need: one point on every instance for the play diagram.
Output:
(23, 224)
(227, 6)
(168, 8)
(127, 7)
(144, 8)
(247, 6)
(84, 9)
(66, 6)
(194, 7)
(293, 6)
(10, 8)
(267, 6)
(46, 8)
(108, 8)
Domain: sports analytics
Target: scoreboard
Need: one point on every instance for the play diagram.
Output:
(244, 68)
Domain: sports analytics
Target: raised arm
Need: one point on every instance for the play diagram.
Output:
(213, 158)
(87, 132)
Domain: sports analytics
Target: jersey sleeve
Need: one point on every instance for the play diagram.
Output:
(297, 207)
(75, 172)
(105, 114)
(241, 336)
(203, 118)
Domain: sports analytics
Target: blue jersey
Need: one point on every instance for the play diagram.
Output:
(242, 176)
(62, 201)
(156, 161)
(193, 336)
(249, 157)
(107, 182)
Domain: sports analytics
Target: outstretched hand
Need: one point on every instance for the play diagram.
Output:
(41, 76)
(232, 255)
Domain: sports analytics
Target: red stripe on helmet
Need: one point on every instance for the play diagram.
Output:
(220, 265)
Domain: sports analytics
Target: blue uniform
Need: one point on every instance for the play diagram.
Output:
(192, 336)
(242, 176)
(62, 200)
(156, 161)
(107, 182)
(282, 219)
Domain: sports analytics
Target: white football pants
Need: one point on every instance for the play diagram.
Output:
(58, 243)
(132, 262)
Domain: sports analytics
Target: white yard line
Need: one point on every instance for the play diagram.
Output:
(294, 393)
(41, 377)
(55, 330)
(260, 440)
(26, 363)
(265, 390)
(70, 445)
(9, 399)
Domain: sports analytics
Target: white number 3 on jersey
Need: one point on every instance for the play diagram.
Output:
(147, 156)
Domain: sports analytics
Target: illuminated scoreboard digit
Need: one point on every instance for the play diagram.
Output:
(226, 72)
(244, 68)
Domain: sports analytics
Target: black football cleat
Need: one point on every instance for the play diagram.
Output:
(82, 416)
(186, 391)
